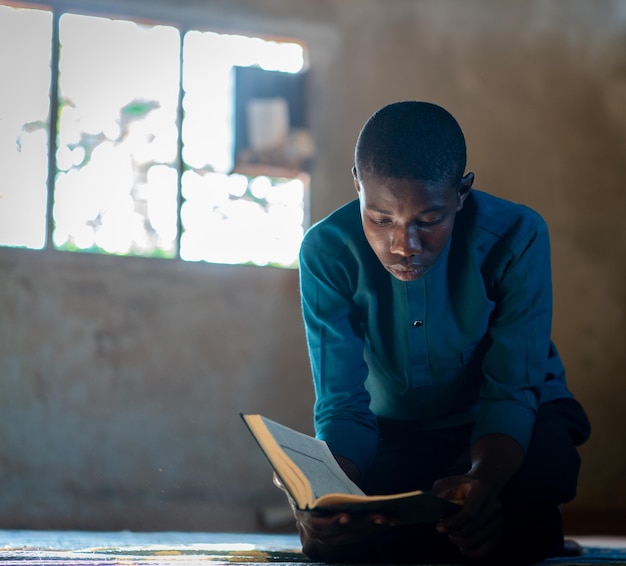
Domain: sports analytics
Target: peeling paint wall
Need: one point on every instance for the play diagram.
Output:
(121, 379)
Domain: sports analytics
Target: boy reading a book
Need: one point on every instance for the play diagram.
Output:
(427, 306)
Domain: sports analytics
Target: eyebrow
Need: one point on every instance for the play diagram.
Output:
(376, 209)
(435, 208)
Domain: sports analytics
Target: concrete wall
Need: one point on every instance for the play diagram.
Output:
(121, 379)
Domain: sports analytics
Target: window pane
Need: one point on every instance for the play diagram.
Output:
(236, 219)
(231, 218)
(208, 61)
(25, 48)
(116, 189)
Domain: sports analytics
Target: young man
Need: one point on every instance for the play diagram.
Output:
(427, 308)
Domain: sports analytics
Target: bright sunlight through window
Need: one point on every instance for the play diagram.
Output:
(24, 112)
(132, 177)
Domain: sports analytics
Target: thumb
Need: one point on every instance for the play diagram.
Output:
(450, 488)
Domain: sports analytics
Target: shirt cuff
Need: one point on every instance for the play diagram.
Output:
(356, 441)
(505, 417)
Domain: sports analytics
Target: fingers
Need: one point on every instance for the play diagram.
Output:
(279, 484)
(477, 527)
(340, 527)
(477, 534)
(454, 488)
(338, 538)
(276, 481)
(476, 537)
(325, 521)
(323, 526)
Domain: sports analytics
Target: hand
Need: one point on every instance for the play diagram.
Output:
(477, 528)
(335, 537)
(339, 537)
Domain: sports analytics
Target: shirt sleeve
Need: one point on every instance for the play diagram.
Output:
(342, 414)
(514, 366)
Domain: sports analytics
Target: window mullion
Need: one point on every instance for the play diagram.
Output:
(53, 128)
(179, 150)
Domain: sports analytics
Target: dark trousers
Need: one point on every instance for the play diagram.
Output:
(409, 458)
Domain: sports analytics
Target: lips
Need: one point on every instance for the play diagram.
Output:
(404, 270)
(407, 269)
(407, 274)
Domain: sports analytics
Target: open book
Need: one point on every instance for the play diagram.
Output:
(315, 481)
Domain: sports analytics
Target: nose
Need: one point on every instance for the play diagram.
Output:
(405, 241)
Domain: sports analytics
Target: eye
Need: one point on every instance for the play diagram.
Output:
(433, 222)
(380, 221)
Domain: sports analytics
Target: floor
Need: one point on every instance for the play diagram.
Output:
(79, 548)
(74, 548)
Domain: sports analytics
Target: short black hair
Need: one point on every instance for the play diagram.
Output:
(412, 140)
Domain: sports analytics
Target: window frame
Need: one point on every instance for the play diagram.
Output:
(136, 13)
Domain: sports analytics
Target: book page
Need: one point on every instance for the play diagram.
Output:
(315, 460)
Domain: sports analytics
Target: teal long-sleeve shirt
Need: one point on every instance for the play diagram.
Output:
(469, 342)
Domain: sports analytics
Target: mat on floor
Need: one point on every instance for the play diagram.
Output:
(72, 548)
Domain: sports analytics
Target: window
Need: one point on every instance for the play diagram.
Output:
(118, 137)
(24, 114)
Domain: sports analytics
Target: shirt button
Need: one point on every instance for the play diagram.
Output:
(418, 323)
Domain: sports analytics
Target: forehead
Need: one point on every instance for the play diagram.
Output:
(390, 194)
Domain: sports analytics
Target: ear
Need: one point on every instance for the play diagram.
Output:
(355, 178)
(465, 186)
